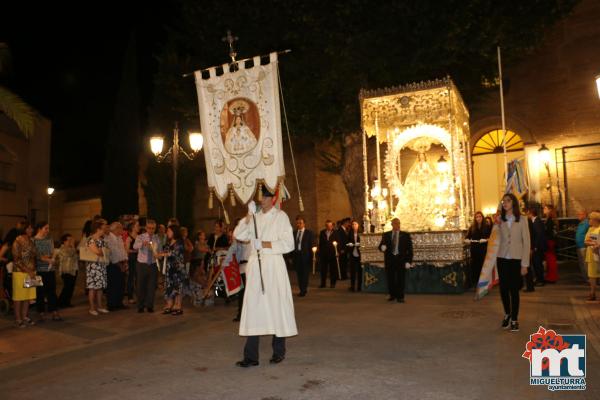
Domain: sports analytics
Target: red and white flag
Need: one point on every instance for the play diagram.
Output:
(231, 276)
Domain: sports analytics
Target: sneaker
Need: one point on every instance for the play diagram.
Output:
(103, 311)
(505, 322)
(514, 326)
(94, 313)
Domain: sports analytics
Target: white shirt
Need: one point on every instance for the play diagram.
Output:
(355, 251)
(117, 248)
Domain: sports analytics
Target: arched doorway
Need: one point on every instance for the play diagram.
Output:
(488, 166)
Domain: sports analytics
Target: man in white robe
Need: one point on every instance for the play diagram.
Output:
(268, 312)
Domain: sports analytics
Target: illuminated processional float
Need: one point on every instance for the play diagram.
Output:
(424, 178)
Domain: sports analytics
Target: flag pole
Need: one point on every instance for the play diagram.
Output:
(502, 114)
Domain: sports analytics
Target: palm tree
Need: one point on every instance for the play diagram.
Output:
(11, 104)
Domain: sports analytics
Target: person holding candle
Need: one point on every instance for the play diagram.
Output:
(302, 254)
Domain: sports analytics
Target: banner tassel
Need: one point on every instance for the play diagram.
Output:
(260, 192)
(210, 200)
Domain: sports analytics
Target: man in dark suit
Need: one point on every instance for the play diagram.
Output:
(538, 246)
(398, 249)
(327, 260)
(343, 237)
(353, 250)
(302, 254)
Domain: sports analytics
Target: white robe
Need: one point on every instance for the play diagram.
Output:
(271, 313)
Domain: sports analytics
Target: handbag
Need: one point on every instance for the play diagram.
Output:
(85, 254)
(30, 282)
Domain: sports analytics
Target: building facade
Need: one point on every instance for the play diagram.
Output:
(24, 173)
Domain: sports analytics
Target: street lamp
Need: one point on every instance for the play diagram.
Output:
(156, 146)
(49, 190)
(544, 154)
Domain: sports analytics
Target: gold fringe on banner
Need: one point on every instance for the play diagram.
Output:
(232, 197)
(260, 192)
(210, 200)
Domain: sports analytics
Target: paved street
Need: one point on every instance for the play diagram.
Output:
(351, 346)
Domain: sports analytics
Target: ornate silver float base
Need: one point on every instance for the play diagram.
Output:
(440, 262)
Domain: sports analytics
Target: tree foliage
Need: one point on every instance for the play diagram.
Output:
(339, 47)
(11, 104)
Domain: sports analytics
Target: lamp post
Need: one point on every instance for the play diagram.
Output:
(156, 145)
(50, 191)
(544, 154)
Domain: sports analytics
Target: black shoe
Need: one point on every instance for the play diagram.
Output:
(529, 290)
(400, 300)
(302, 294)
(505, 322)
(391, 298)
(351, 289)
(276, 359)
(540, 284)
(140, 310)
(514, 326)
(245, 363)
(150, 309)
(321, 286)
(236, 319)
(332, 286)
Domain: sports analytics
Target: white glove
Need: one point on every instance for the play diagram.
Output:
(257, 244)
(252, 207)
(350, 244)
(383, 247)
(408, 266)
(483, 240)
(467, 241)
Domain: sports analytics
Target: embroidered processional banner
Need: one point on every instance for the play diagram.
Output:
(241, 124)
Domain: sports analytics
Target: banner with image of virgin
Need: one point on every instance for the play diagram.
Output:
(241, 125)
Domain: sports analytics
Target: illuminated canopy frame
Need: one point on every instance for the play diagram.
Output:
(437, 103)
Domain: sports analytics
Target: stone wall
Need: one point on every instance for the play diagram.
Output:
(323, 193)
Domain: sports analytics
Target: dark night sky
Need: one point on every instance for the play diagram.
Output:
(68, 63)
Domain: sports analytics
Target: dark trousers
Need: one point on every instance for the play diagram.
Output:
(115, 282)
(46, 292)
(251, 347)
(302, 267)
(509, 273)
(537, 259)
(477, 259)
(355, 273)
(529, 278)
(146, 276)
(64, 299)
(343, 266)
(328, 264)
(241, 296)
(131, 275)
(396, 277)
